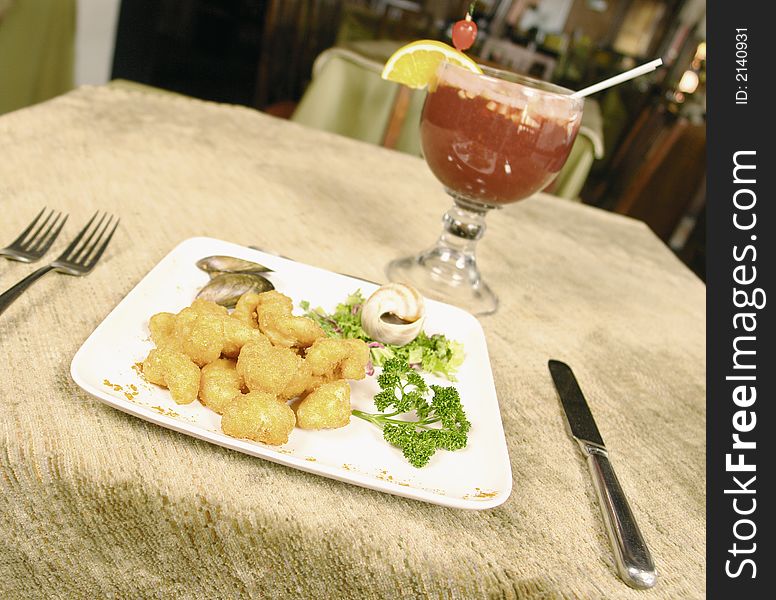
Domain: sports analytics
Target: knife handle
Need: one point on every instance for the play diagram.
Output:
(634, 562)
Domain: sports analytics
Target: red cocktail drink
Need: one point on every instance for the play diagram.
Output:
(491, 138)
(494, 141)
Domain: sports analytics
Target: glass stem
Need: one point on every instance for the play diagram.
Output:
(462, 227)
(448, 271)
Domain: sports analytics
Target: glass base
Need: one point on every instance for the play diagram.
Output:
(445, 275)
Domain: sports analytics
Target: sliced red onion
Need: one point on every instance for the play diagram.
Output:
(334, 325)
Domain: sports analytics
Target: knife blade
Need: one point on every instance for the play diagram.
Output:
(632, 557)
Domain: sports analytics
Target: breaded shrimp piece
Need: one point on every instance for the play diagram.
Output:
(336, 358)
(258, 416)
(236, 334)
(245, 309)
(327, 407)
(275, 301)
(195, 331)
(302, 381)
(265, 368)
(280, 326)
(207, 307)
(162, 326)
(175, 371)
(200, 335)
(219, 384)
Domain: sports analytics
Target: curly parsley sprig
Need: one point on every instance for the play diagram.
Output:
(440, 420)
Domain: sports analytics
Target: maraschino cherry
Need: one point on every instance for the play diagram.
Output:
(465, 31)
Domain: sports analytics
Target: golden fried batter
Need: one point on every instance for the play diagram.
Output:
(175, 371)
(162, 326)
(200, 334)
(219, 384)
(207, 307)
(280, 326)
(327, 407)
(261, 347)
(266, 368)
(245, 310)
(335, 358)
(203, 331)
(274, 301)
(258, 416)
(301, 382)
(236, 335)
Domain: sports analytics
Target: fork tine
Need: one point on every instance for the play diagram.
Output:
(51, 234)
(35, 237)
(86, 251)
(83, 250)
(66, 252)
(96, 256)
(29, 228)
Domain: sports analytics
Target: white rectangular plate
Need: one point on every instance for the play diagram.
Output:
(477, 477)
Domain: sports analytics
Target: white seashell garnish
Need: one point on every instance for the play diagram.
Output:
(394, 314)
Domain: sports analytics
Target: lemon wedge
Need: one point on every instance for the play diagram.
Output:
(415, 64)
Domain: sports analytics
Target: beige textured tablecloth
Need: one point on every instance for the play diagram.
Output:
(95, 503)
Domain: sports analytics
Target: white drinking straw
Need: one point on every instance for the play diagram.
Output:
(606, 83)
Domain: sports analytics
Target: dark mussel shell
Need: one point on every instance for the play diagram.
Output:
(226, 288)
(229, 264)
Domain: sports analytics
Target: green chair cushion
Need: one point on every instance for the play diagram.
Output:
(37, 51)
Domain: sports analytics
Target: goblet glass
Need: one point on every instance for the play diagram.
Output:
(491, 139)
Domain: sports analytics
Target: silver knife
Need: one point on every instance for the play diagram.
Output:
(634, 562)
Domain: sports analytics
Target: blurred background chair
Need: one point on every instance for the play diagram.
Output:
(588, 147)
(347, 96)
(658, 171)
(520, 59)
(37, 51)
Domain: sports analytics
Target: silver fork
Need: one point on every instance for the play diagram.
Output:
(31, 245)
(78, 259)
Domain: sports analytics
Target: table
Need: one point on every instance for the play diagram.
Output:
(96, 503)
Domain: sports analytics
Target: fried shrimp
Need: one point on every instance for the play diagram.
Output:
(236, 335)
(335, 358)
(280, 326)
(267, 368)
(175, 371)
(327, 407)
(258, 416)
(219, 384)
(301, 382)
(162, 327)
(245, 310)
(247, 364)
(207, 307)
(203, 331)
(200, 335)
